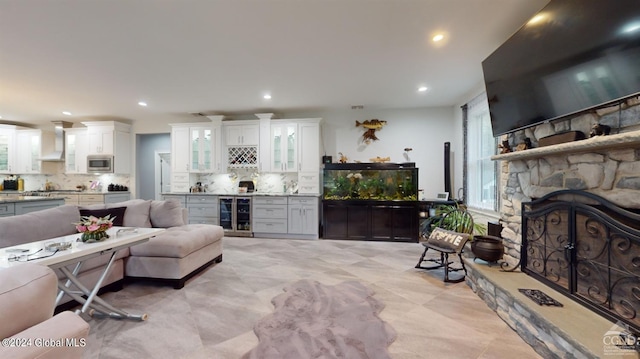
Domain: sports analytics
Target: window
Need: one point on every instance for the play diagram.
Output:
(480, 172)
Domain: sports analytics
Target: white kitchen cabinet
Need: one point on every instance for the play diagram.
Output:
(180, 145)
(28, 150)
(101, 139)
(7, 149)
(30, 145)
(75, 150)
(69, 198)
(246, 134)
(111, 138)
(303, 216)
(309, 162)
(269, 214)
(204, 156)
(309, 149)
(203, 209)
(195, 147)
(284, 147)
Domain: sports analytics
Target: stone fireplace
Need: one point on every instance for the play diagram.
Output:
(607, 166)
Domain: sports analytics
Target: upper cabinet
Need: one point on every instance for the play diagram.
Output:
(246, 134)
(7, 149)
(111, 138)
(75, 150)
(242, 140)
(28, 151)
(180, 147)
(309, 148)
(284, 147)
(30, 146)
(195, 147)
(204, 156)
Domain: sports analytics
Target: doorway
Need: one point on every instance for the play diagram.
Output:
(162, 174)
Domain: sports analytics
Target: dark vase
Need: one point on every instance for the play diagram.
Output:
(488, 248)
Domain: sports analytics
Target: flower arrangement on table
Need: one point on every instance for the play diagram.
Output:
(94, 229)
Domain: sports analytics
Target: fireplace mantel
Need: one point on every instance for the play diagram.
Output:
(627, 139)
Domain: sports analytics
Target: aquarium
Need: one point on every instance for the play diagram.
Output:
(370, 181)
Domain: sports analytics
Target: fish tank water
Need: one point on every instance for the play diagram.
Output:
(370, 181)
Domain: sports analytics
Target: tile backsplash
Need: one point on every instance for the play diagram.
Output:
(227, 183)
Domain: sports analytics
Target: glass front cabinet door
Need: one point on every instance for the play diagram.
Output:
(7, 153)
(201, 149)
(284, 147)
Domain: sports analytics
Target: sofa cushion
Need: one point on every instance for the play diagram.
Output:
(39, 225)
(137, 213)
(117, 214)
(178, 242)
(27, 295)
(165, 214)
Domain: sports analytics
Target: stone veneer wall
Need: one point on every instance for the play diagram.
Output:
(612, 171)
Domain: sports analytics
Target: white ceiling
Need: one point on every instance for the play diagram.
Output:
(98, 58)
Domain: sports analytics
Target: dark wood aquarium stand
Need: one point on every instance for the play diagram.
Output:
(370, 201)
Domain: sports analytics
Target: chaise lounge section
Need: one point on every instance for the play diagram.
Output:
(171, 257)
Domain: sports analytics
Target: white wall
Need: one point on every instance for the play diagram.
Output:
(425, 130)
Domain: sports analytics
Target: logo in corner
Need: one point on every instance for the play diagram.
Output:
(621, 340)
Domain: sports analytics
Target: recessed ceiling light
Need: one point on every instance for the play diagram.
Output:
(142, 103)
(267, 97)
(66, 113)
(437, 37)
(422, 88)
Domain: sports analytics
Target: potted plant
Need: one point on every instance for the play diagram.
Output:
(457, 218)
(454, 217)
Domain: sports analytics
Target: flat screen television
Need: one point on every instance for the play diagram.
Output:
(573, 56)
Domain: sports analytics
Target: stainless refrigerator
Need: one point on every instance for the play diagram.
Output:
(235, 215)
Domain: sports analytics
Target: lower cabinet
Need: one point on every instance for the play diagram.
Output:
(370, 220)
(286, 216)
(7, 209)
(270, 214)
(32, 206)
(303, 216)
(86, 199)
(203, 209)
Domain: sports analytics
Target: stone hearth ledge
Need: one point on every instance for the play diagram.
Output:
(626, 139)
(571, 331)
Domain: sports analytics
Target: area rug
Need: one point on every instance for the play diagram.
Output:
(312, 320)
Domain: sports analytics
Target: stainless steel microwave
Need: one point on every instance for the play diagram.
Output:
(100, 163)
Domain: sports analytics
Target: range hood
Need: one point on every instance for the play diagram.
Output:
(57, 155)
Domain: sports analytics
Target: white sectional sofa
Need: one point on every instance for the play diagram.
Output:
(172, 257)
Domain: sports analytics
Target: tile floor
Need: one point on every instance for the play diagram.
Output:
(213, 315)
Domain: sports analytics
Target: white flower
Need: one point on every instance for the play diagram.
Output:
(350, 175)
(357, 175)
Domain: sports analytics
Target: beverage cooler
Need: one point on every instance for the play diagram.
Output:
(235, 216)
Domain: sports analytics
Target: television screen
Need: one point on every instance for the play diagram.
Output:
(574, 55)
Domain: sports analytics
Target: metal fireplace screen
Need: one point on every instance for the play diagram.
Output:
(587, 248)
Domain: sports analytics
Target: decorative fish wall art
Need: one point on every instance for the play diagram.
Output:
(371, 127)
